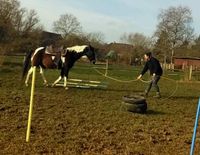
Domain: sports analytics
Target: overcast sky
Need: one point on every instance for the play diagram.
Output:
(111, 17)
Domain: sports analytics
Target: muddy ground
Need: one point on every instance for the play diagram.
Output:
(93, 121)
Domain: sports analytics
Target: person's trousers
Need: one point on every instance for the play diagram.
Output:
(153, 83)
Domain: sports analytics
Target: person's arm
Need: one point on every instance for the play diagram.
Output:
(143, 71)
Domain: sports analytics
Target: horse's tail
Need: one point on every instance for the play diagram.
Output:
(26, 63)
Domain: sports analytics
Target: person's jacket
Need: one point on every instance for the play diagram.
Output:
(153, 66)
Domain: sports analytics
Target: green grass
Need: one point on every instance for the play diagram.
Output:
(94, 121)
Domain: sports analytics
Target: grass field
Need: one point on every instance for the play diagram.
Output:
(94, 121)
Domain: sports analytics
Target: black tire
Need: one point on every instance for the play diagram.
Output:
(135, 103)
(134, 99)
(136, 108)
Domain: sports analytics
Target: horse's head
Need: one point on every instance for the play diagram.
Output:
(90, 53)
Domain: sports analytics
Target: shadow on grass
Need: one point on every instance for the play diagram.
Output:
(182, 97)
(149, 112)
(124, 90)
(100, 89)
(153, 112)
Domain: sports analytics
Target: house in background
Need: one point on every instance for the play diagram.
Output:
(49, 37)
(183, 62)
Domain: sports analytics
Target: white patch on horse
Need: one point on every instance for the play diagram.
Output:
(38, 49)
(52, 57)
(77, 49)
(63, 59)
(84, 57)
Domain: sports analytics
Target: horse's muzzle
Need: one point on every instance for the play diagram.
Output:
(93, 61)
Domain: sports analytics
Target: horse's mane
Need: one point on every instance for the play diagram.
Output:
(77, 48)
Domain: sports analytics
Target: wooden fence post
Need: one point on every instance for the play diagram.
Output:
(190, 72)
(106, 71)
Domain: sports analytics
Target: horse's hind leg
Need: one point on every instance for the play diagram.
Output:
(28, 75)
(43, 77)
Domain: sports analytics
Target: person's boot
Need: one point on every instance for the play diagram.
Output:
(145, 94)
(157, 95)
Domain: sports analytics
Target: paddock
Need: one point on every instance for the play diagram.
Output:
(94, 121)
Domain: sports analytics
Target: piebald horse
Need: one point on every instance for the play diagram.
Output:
(44, 60)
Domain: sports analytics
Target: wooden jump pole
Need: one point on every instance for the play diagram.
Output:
(106, 71)
(87, 81)
(84, 84)
(31, 105)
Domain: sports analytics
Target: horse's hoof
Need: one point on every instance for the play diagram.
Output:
(66, 88)
(26, 84)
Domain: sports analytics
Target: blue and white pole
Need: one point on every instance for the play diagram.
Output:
(195, 129)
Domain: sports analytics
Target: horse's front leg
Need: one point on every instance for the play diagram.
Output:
(65, 82)
(28, 75)
(65, 73)
(43, 77)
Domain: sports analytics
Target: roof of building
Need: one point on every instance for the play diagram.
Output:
(191, 58)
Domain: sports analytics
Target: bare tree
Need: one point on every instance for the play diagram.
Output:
(162, 47)
(95, 37)
(66, 25)
(18, 19)
(176, 23)
(30, 22)
(18, 26)
(73, 39)
(136, 39)
(8, 9)
(140, 42)
(124, 38)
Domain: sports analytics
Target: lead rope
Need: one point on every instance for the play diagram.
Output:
(122, 81)
(144, 81)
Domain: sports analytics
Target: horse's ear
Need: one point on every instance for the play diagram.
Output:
(92, 48)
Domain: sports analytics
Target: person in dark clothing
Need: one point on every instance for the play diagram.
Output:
(153, 65)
